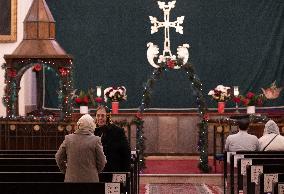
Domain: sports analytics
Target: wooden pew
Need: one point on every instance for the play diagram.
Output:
(226, 168)
(15, 160)
(120, 177)
(247, 160)
(278, 188)
(24, 172)
(28, 152)
(42, 173)
(31, 177)
(230, 167)
(253, 171)
(27, 156)
(38, 173)
(133, 180)
(56, 176)
(27, 161)
(134, 172)
(59, 188)
(29, 168)
(266, 181)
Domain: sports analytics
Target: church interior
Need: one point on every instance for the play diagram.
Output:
(177, 76)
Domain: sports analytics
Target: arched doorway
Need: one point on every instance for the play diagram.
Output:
(14, 70)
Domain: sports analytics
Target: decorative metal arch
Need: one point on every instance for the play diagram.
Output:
(202, 109)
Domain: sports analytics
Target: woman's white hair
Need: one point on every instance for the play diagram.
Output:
(86, 122)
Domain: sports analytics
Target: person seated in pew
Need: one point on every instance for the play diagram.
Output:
(271, 139)
(115, 144)
(242, 141)
(80, 157)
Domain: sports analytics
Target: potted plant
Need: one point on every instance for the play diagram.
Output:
(250, 100)
(83, 100)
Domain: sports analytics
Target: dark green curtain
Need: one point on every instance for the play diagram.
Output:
(232, 43)
(52, 84)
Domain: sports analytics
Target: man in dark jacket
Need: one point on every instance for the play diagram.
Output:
(115, 144)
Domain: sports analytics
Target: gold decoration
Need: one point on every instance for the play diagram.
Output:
(68, 128)
(219, 129)
(12, 127)
(60, 128)
(36, 127)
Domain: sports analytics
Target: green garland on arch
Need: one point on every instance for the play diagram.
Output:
(139, 136)
(140, 139)
(196, 85)
(62, 69)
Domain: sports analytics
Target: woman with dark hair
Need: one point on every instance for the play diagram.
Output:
(242, 141)
(115, 144)
(80, 157)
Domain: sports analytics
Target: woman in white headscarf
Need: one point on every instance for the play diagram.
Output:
(80, 157)
(271, 139)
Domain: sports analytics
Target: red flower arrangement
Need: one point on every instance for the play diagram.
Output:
(99, 100)
(250, 99)
(115, 93)
(221, 93)
(82, 99)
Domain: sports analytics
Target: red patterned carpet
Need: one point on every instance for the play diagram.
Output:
(174, 165)
(181, 189)
(183, 166)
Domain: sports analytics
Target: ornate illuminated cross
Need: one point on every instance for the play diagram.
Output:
(153, 50)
